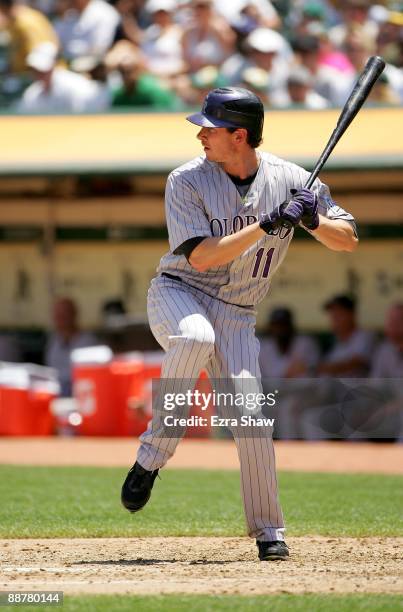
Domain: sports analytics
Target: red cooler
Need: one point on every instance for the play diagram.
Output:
(129, 371)
(26, 392)
(94, 389)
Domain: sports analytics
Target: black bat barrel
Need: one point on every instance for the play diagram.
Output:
(359, 94)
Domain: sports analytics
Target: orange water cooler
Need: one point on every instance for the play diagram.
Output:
(98, 412)
(113, 394)
(26, 393)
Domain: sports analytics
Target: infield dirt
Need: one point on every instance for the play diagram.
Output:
(201, 565)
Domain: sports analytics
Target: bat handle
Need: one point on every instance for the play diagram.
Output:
(282, 229)
(312, 178)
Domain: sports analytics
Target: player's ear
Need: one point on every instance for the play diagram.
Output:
(240, 135)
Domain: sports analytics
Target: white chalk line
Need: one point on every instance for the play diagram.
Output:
(81, 582)
(31, 569)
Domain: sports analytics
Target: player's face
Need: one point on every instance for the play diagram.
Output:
(218, 144)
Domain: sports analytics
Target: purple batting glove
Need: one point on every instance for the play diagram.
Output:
(270, 222)
(309, 201)
(288, 215)
(292, 211)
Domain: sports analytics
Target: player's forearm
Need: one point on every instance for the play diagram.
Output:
(217, 251)
(336, 234)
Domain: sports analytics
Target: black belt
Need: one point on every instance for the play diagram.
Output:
(177, 278)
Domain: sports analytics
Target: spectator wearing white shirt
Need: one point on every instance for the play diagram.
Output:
(353, 347)
(88, 28)
(260, 12)
(162, 41)
(57, 90)
(207, 40)
(66, 337)
(388, 359)
(265, 49)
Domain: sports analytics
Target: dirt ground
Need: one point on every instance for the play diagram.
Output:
(202, 565)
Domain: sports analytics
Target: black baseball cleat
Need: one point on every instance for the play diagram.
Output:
(136, 490)
(272, 551)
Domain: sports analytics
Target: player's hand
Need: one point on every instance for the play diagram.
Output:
(309, 201)
(286, 217)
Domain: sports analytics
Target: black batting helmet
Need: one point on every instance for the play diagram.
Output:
(231, 107)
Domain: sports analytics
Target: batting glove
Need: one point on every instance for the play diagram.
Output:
(287, 216)
(309, 201)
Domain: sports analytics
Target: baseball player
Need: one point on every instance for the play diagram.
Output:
(225, 213)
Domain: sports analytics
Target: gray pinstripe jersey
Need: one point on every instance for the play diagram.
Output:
(201, 200)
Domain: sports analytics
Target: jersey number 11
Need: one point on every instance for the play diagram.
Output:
(266, 262)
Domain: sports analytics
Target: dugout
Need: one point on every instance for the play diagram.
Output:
(81, 213)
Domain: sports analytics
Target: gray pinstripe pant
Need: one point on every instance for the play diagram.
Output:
(200, 332)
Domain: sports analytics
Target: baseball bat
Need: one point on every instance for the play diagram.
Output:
(359, 94)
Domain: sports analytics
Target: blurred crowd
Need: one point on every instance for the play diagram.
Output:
(92, 55)
(351, 390)
(351, 353)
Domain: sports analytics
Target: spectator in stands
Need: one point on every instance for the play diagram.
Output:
(312, 16)
(329, 82)
(57, 90)
(138, 87)
(93, 68)
(284, 353)
(162, 41)
(207, 40)
(352, 349)
(388, 364)
(329, 55)
(265, 49)
(87, 28)
(301, 92)
(195, 87)
(257, 80)
(128, 28)
(354, 13)
(358, 47)
(26, 29)
(390, 39)
(66, 337)
(46, 7)
(388, 359)
(247, 15)
(383, 93)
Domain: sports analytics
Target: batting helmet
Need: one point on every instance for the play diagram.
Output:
(231, 107)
